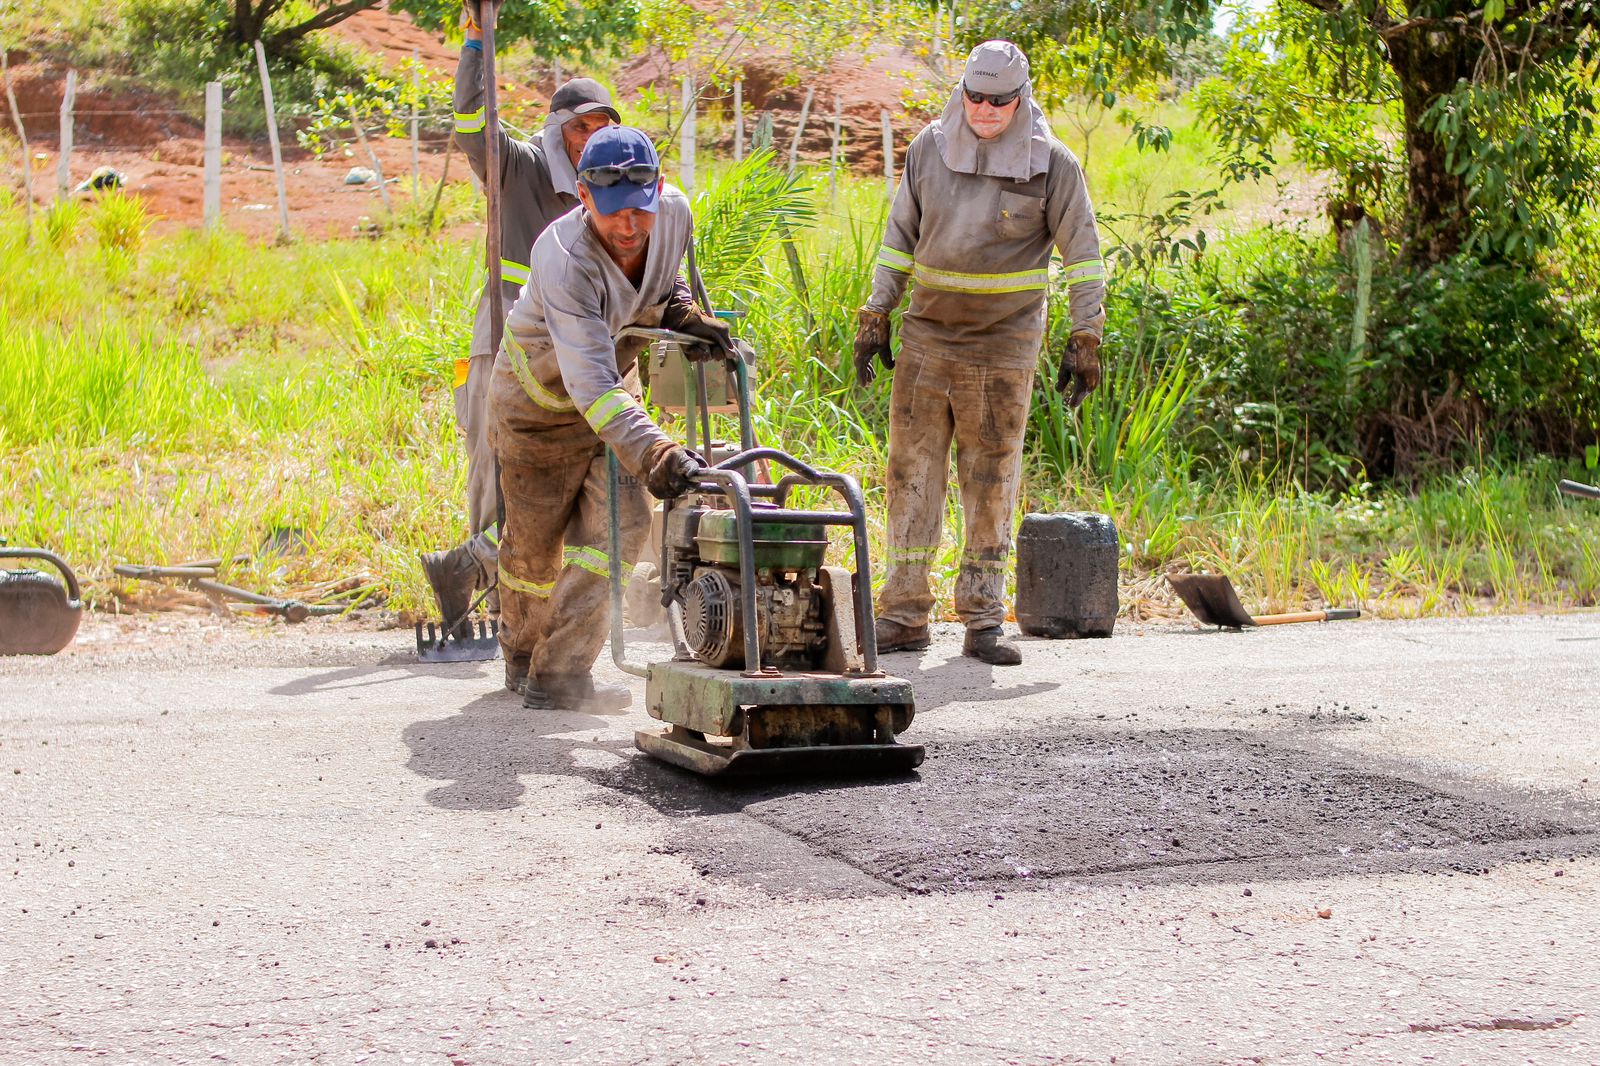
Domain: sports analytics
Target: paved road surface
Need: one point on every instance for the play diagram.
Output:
(261, 845)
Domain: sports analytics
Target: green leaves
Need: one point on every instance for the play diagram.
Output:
(555, 29)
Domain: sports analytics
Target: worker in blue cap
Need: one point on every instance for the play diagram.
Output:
(564, 389)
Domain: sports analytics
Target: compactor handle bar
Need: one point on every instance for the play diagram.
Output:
(73, 592)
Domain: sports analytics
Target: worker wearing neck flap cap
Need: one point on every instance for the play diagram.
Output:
(572, 101)
(621, 170)
(986, 194)
(995, 69)
(537, 185)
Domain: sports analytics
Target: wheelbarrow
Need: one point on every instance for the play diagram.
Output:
(1213, 600)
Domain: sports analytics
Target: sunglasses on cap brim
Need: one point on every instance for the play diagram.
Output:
(605, 177)
(992, 99)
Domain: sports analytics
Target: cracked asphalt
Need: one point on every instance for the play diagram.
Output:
(1374, 842)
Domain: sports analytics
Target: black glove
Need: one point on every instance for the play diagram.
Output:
(682, 316)
(1080, 368)
(716, 334)
(671, 470)
(872, 339)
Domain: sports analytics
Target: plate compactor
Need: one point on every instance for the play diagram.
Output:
(775, 667)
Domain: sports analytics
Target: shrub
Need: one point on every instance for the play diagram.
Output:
(1432, 369)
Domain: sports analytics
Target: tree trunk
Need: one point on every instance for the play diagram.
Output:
(249, 20)
(1429, 62)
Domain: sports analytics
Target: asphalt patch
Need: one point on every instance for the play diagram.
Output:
(1184, 805)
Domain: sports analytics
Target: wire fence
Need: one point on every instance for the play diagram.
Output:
(72, 129)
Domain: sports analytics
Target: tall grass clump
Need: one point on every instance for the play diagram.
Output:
(121, 223)
(62, 220)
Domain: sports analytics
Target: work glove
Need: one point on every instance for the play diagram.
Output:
(670, 470)
(1080, 368)
(872, 339)
(682, 316)
(711, 329)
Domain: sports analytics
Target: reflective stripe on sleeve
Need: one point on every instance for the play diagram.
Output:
(516, 273)
(492, 534)
(610, 404)
(530, 384)
(1088, 270)
(472, 122)
(462, 367)
(895, 259)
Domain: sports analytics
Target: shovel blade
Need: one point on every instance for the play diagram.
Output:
(480, 645)
(1212, 599)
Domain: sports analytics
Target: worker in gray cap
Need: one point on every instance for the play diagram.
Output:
(987, 191)
(538, 184)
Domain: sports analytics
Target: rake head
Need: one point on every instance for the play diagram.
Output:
(479, 645)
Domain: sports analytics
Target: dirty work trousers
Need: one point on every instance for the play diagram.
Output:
(483, 495)
(984, 409)
(554, 570)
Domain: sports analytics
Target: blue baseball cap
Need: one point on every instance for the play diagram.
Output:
(624, 147)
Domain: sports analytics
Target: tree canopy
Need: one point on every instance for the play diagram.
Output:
(1493, 105)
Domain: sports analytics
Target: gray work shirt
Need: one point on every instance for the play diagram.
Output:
(978, 250)
(533, 193)
(560, 336)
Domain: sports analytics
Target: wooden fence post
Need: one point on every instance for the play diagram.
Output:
(22, 138)
(377, 164)
(64, 161)
(800, 129)
(834, 148)
(738, 121)
(277, 149)
(888, 154)
(416, 148)
(686, 137)
(213, 153)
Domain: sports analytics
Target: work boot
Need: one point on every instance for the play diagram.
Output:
(991, 646)
(453, 576)
(892, 636)
(574, 694)
(515, 679)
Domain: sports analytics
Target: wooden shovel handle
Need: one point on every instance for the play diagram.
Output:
(1335, 615)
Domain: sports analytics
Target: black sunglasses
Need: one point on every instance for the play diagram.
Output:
(992, 99)
(605, 177)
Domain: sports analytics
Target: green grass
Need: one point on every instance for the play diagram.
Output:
(185, 405)
(181, 396)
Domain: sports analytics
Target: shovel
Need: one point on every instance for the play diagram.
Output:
(202, 575)
(1213, 600)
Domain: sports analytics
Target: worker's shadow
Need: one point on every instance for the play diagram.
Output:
(398, 667)
(483, 750)
(956, 680)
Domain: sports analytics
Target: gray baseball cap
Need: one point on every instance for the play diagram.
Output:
(996, 67)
